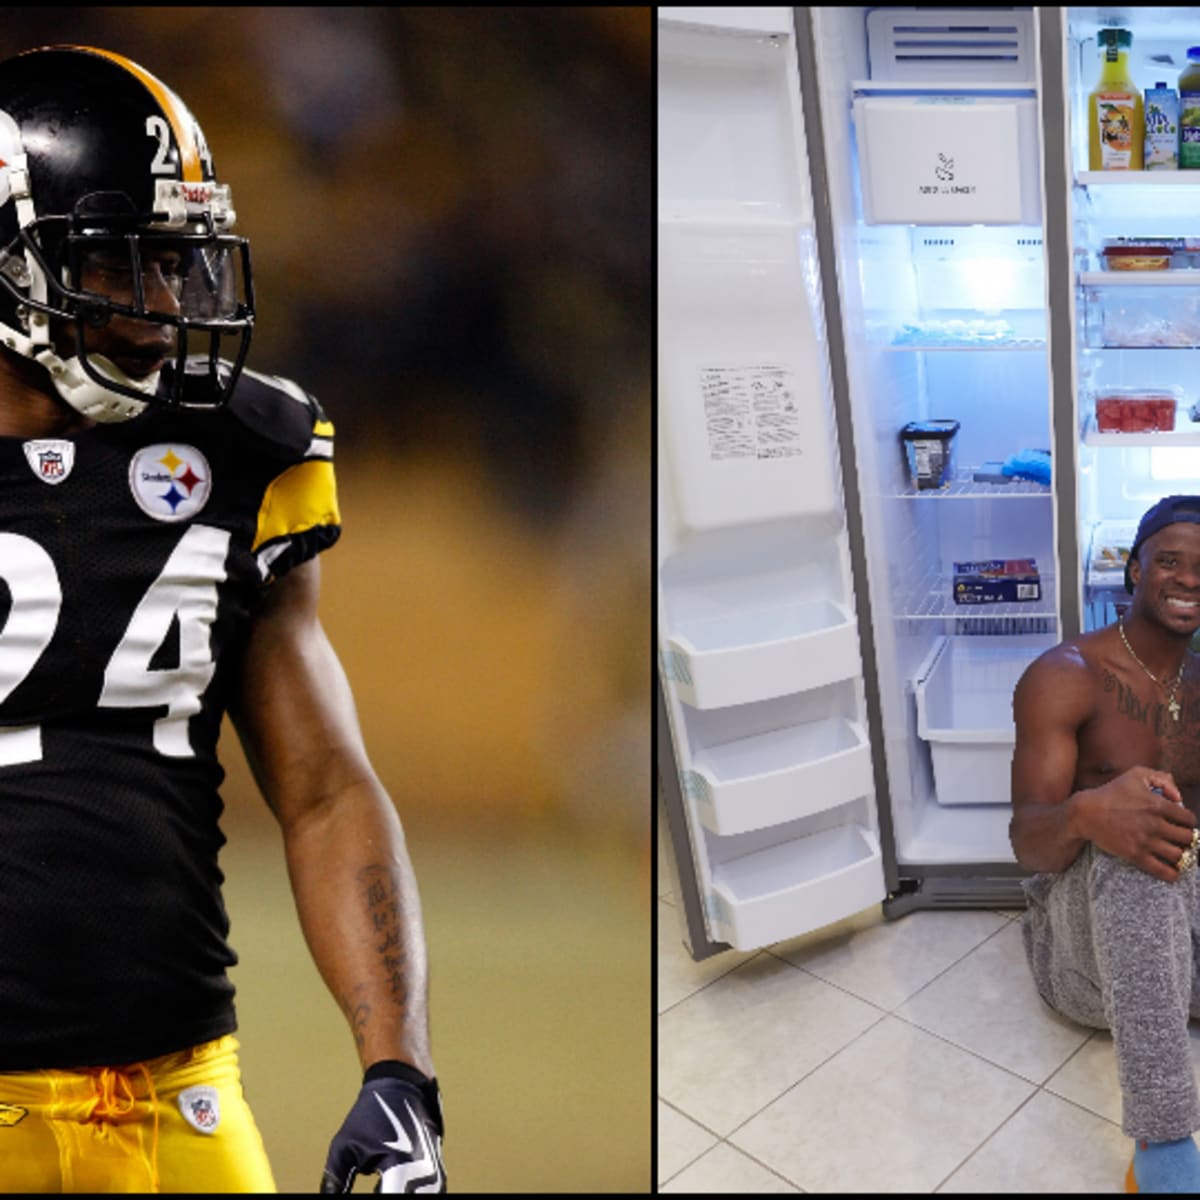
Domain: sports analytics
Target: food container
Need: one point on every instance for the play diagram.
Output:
(1137, 410)
(1136, 317)
(1111, 543)
(1130, 258)
(929, 451)
(1150, 253)
(997, 581)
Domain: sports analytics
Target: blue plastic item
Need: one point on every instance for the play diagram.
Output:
(1028, 464)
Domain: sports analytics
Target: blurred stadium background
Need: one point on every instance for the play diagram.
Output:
(449, 217)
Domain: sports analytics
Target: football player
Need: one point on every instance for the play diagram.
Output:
(161, 512)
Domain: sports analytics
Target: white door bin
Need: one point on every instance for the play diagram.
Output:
(780, 776)
(738, 657)
(803, 884)
(964, 711)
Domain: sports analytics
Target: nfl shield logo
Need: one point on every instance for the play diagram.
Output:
(200, 1108)
(50, 459)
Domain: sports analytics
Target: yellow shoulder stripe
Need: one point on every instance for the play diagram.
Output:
(181, 120)
(323, 429)
(304, 496)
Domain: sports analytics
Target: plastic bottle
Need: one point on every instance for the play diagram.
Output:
(1116, 117)
(1162, 128)
(1189, 111)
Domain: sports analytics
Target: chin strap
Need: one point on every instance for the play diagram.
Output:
(90, 398)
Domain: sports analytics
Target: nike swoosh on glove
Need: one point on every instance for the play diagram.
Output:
(395, 1128)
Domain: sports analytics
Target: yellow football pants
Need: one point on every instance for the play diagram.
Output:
(178, 1123)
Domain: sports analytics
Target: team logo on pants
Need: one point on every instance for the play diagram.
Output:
(170, 482)
(200, 1107)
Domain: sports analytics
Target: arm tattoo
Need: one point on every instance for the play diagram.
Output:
(358, 1013)
(381, 892)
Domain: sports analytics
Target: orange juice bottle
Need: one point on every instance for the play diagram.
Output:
(1116, 119)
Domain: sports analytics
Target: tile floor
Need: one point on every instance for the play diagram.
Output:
(906, 1056)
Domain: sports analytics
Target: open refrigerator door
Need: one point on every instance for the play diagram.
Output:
(759, 648)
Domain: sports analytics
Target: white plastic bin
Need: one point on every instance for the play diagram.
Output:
(736, 658)
(802, 884)
(964, 711)
(769, 778)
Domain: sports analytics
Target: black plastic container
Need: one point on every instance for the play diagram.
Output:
(929, 452)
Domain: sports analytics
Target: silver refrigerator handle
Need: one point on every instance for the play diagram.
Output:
(1056, 194)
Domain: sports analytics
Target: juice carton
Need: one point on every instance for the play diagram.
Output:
(1162, 128)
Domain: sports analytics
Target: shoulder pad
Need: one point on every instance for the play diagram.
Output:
(283, 414)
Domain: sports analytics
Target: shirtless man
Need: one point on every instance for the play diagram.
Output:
(1106, 795)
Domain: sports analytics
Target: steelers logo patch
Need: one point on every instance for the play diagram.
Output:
(170, 482)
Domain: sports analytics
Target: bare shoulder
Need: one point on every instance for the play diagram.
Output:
(1062, 680)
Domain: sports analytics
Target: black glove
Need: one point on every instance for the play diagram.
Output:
(395, 1128)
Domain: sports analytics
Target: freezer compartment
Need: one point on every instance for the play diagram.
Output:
(770, 778)
(770, 894)
(964, 712)
(740, 657)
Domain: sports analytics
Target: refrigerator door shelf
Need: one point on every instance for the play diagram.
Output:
(798, 885)
(1185, 433)
(738, 658)
(780, 776)
(964, 711)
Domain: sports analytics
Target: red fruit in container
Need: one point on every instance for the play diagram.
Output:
(1108, 414)
(1166, 414)
(1137, 410)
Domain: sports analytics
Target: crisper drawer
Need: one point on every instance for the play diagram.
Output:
(797, 886)
(964, 711)
(1121, 316)
(742, 657)
(779, 776)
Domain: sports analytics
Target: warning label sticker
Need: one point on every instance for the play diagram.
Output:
(750, 412)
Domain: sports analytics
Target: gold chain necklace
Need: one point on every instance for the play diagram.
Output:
(1172, 703)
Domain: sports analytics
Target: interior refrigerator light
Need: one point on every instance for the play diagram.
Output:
(1174, 462)
(989, 284)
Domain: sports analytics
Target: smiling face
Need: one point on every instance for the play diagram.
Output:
(1166, 578)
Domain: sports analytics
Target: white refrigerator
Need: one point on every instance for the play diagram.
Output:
(887, 332)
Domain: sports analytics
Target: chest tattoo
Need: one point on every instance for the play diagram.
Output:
(1145, 712)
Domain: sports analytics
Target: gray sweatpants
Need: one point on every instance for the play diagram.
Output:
(1114, 948)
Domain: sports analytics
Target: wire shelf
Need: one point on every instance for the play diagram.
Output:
(963, 486)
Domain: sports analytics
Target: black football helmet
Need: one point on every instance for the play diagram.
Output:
(104, 173)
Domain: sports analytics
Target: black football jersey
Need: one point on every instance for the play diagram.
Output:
(132, 559)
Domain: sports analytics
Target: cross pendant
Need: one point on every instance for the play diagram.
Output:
(1173, 709)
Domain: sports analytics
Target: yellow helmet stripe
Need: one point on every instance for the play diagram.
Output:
(181, 120)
